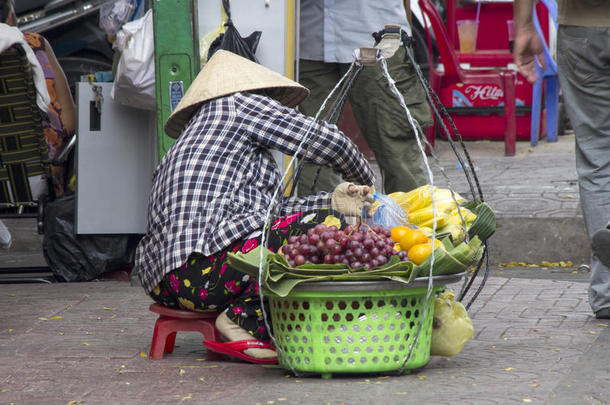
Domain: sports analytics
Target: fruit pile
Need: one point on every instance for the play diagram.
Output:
(417, 205)
(415, 242)
(356, 247)
(457, 243)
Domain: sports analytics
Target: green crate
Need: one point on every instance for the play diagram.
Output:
(358, 331)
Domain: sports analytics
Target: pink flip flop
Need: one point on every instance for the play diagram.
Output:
(236, 349)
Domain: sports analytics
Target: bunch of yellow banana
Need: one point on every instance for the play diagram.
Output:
(417, 204)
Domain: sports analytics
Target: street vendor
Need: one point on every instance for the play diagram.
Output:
(212, 190)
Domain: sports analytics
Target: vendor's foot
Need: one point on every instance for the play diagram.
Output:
(233, 332)
(603, 313)
(600, 244)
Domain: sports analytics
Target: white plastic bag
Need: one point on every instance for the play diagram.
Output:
(113, 14)
(134, 81)
(389, 214)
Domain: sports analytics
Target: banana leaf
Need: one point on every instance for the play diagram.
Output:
(485, 224)
(280, 279)
(451, 260)
(248, 263)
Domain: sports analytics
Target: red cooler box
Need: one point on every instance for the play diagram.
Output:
(477, 109)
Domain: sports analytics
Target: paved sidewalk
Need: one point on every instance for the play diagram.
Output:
(86, 343)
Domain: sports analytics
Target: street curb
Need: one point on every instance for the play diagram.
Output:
(533, 240)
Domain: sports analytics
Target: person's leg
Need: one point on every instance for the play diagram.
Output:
(208, 283)
(384, 123)
(584, 71)
(320, 78)
(600, 245)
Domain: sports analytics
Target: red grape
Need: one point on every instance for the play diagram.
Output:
(313, 238)
(320, 228)
(362, 246)
(381, 259)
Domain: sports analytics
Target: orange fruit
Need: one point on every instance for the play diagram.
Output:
(398, 232)
(437, 243)
(420, 252)
(411, 238)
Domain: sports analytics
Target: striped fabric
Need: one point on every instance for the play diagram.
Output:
(215, 184)
(23, 150)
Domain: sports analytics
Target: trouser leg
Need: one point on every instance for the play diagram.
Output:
(384, 124)
(584, 73)
(209, 283)
(320, 78)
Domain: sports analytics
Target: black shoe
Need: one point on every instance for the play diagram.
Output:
(600, 245)
(603, 313)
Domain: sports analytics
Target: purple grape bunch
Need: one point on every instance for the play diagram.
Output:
(354, 246)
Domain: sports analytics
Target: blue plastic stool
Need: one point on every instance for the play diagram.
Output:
(549, 77)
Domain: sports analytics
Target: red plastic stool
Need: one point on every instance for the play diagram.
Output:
(171, 321)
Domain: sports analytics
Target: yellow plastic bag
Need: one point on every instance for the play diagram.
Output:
(207, 39)
(452, 326)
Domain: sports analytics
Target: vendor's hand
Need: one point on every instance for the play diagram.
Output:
(349, 199)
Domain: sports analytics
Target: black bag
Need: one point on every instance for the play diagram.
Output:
(74, 257)
(232, 41)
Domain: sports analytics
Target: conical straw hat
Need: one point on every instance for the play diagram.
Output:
(227, 73)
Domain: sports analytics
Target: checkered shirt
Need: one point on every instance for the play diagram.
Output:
(214, 185)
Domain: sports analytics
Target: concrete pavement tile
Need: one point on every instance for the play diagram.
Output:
(489, 332)
(549, 322)
(593, 390)
(568, 304)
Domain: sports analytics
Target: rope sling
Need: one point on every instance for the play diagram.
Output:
(370, 56)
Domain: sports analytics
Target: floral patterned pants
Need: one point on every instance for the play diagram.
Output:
(208, 283)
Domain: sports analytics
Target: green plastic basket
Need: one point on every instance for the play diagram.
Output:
(352, 327)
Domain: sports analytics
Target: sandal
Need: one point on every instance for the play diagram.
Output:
(236, 349)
